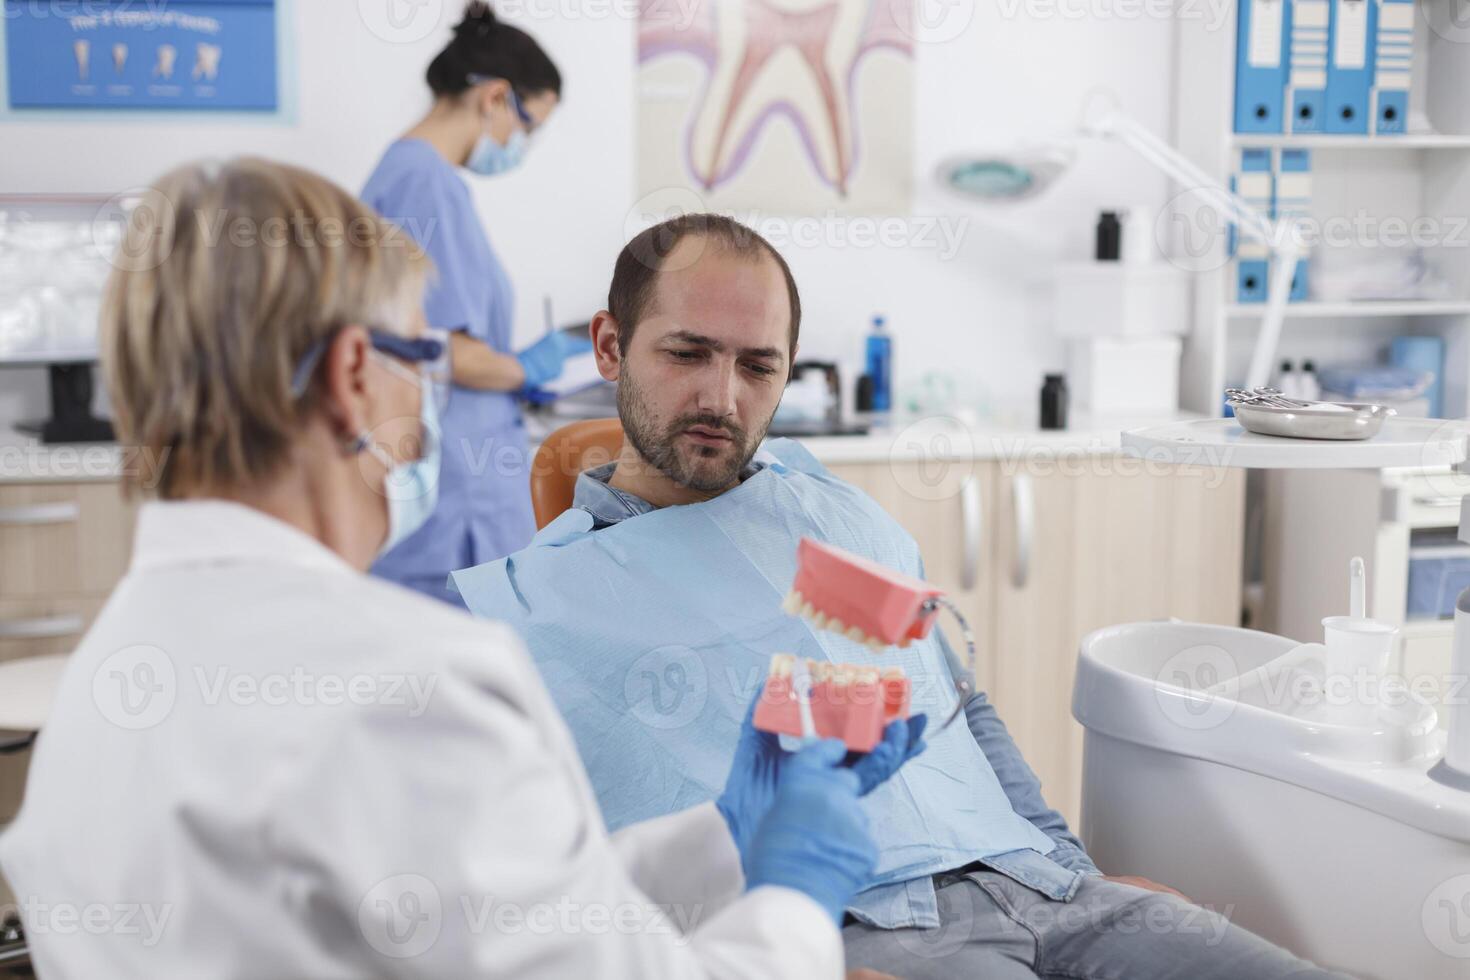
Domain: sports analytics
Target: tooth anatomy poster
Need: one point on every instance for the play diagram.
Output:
(787, 106)
(196, 54)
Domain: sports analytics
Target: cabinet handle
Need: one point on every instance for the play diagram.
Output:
(65, 512)
(42, 627)
(1023, 513)
(1438, 501)
(971, 510)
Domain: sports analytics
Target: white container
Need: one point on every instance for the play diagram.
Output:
(1358, 651)
(1330, 840)
(1121, 299)
(1125, 377)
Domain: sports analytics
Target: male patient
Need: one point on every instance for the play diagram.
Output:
(653, 608)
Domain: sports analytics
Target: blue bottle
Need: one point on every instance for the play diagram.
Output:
(880, 366)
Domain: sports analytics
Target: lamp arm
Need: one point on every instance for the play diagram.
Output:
(1275, 235)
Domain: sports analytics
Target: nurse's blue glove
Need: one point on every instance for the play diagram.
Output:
(815, 837)
(756, 770)
(543, 360)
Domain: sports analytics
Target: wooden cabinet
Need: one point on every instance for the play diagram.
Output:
(63, 546)
(1066, 546)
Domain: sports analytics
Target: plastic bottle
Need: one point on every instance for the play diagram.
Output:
(880, 365)
(1109, 237)
(1310, 387)
(1286, 381)
(1054, 399)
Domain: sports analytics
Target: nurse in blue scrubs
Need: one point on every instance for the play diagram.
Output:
(493, 88)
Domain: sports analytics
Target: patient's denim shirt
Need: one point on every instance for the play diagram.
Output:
(913, 903)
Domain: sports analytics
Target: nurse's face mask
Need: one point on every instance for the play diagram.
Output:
(411, 481)
(489, 156)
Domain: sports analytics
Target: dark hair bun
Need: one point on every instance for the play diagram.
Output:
(479, 20)
(485, 46)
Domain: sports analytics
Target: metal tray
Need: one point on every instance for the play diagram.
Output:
(1305, 423)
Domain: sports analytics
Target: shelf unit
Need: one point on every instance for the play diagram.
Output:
(1422, 174)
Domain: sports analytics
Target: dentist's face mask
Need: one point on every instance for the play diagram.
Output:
(410, 486)
(489, 157)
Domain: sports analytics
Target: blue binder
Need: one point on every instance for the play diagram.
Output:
(1255, 184)
(1393, 67)
(1261, 65)
(1306, 86)
(1349, 65)
(1294, 200)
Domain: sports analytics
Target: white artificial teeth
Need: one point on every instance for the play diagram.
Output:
(791, 605)
(856, 635)
(836, 625)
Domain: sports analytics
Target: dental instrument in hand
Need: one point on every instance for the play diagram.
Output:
(871, 604)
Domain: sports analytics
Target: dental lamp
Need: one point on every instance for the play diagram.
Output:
(1022, 174)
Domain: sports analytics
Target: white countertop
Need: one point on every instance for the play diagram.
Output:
(24, 459)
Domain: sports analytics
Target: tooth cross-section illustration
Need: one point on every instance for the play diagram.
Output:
(767, 59)
(83, 52)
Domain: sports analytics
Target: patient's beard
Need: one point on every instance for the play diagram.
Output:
(658, 444)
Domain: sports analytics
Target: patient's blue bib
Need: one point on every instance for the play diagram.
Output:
(654, 635)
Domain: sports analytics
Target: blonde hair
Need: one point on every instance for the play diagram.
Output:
(226, 276)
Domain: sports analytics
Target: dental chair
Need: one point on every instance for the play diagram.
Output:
(565, 454)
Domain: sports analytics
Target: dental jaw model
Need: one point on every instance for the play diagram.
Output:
(866, 603)
(845, 701)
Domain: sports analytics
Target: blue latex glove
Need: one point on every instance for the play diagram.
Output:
(543, 360)
(537, 396)
(815, 837)
(756, 770)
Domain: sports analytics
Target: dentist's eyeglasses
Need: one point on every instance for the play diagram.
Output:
(429, 356)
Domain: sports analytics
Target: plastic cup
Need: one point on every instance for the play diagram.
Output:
(1358, 652)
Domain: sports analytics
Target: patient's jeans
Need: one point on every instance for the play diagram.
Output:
(994, 928)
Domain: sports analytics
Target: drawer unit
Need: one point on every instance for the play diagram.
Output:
(63, 539)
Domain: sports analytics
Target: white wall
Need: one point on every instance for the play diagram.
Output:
(982, 314)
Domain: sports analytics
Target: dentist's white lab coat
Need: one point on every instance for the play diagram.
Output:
(262, 763)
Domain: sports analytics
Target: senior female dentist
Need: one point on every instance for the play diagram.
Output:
(263, 762)
(493, 86)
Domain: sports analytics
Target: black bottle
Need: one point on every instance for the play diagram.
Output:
(1109, 237)
(1054, 402)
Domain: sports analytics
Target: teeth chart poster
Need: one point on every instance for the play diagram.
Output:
(199, 54)
(792, 106)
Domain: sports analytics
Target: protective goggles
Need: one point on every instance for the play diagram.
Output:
(429, 355)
